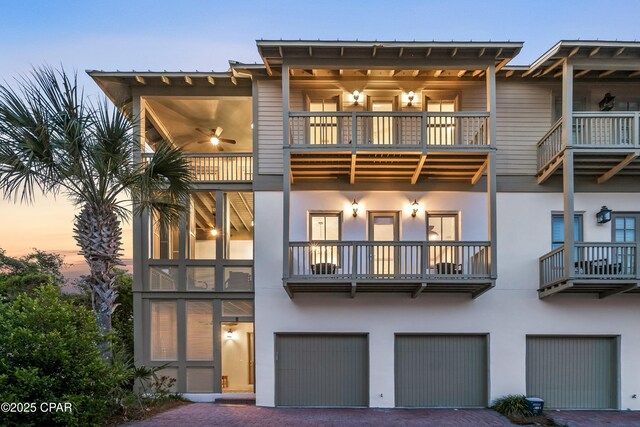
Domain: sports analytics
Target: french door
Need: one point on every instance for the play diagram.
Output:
(383, 256)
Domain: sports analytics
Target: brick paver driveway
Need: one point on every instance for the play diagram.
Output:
(208, 414)
(596, 418)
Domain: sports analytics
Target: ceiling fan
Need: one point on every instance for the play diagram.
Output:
(213, 137)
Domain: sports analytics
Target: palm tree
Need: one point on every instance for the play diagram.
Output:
(54, 141)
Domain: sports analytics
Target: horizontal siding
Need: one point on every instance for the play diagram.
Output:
(523, 116)
(270, 140)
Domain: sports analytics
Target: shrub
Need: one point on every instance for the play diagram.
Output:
(49, 353)
(513, 405)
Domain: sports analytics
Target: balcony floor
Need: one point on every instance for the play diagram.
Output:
(601, 163)
(602, 287)
(413, 287)
(376, 164)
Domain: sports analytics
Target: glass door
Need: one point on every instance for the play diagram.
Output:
(625, 229)
(381, 126)
(383, 256)
(237, 357)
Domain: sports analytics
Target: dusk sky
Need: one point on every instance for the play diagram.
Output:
(204, 35)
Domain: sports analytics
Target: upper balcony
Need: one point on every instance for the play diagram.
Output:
(602, 268)
(217, 167)
(377, 266)
(406, 145)
(604, 144)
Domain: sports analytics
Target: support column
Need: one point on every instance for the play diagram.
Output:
(567, 168)
(491, 172)
(286, 183)
(140, 230)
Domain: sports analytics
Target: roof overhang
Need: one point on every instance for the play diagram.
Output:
(385, 54)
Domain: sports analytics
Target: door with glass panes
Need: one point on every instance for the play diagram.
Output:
(381, 126)
(323, 127)
(383, 232)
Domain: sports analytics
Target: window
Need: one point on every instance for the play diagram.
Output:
(557, 229)
(625, 227)
(164, 240)
(237, 308)
(441, 126)
(323, 129)
(163, 278)
(442, 227)
(238, 225)
(202, 225)
(199, 330)
(164, 331)
(325, 226)
(201, 278)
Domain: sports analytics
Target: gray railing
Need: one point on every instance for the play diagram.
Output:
(399, 129)
(421, 260)
(550, 145)
(604, 261)
(216, 167)
(611, 129)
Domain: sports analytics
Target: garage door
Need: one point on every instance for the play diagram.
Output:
(573, 372)
(322, 370)
(441, 370)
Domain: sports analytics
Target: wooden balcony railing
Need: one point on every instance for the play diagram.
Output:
(592, 130)
(395, 129)
(217, 167)
(605, 261)
(363, 260)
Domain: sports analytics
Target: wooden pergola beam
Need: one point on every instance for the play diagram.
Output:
(141, 80)
(165, 80)
(606, 73)
(418, 171)
(573, 52)
(594, 52)
(634, 74)
(188, 80)
(352, 170)
(552, 67)
(462, 73)
(211, 80)
(437, 73)
(509, 73)
(502, 64)
(617, 168)
(581, 73)
(478, 174)
(618, 52)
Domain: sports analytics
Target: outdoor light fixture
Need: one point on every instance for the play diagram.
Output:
(230, 334)
(214, 232)
(410, 96)
(355, 208)
(356, 97)
(604, 215)
(414, 208)
(214, 140)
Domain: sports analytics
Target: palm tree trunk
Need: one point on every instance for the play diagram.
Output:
(98, 234)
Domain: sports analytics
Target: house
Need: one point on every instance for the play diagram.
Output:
(407, 224)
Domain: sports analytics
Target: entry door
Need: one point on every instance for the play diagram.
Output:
(383, 227)
(382, 129)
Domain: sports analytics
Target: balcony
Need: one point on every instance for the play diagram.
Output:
(403, 146)
(602, 268)
(411, 267)
(604, 144)
(217, 167)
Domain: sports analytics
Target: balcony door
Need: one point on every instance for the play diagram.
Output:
(383, 256)
(381, 126)
(441, 126)
(625, 229)
(323, 128)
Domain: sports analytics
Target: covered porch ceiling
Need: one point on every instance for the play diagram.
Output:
(335, 58)
(600, 164)
(380, 165)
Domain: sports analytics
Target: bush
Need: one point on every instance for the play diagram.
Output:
(49, 353)
(513, 405)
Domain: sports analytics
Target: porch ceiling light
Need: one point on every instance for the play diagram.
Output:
(604, 215)
(214, 140)
(214, 232)
(410, 97)
(356, 97)
(415, 206)
(229, 334)
(355, 208)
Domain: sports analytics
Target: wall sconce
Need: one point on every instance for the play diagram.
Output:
(214, 232)
(356, 97)
(410, 97)
(229, 334)
(414, 208)
(604, 215)
(355, 208)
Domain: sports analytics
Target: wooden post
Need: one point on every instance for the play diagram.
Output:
(491, 104)
(567, 171)
(286, 169)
